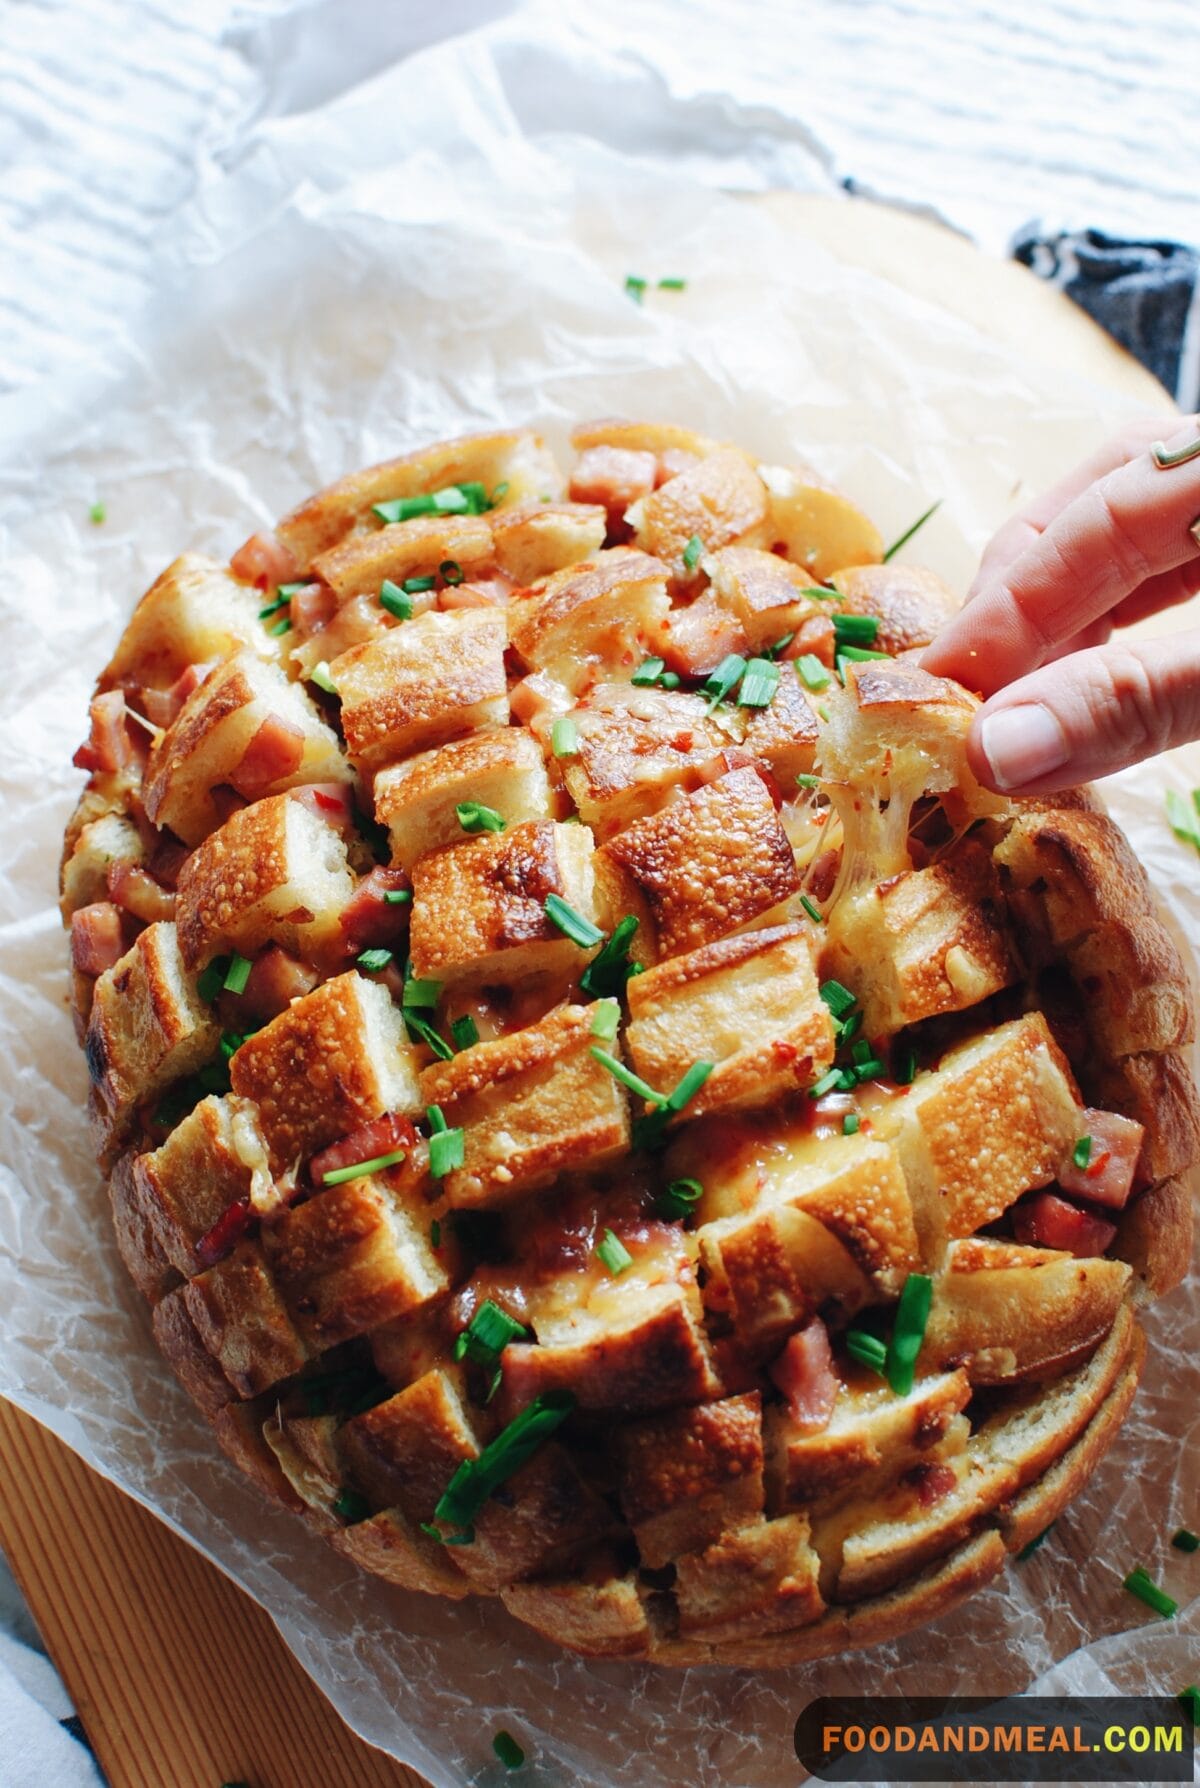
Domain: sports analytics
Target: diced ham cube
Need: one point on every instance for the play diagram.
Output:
(161, 706)
(273, 754)
(368, 920)
(813, 638)
(382, 1136)
(1108, 1175)
(537, 700)
(167, 859)
(694, 640)
(229, 1228)
(613, 476)
(804, 1373)
(97, 940)
(312, 608)
(1047, 1221)
(136, 890)
(671, 462)
(931, 1482)
(481, 592)
(108, 746)
(262, 561)
(274, 981)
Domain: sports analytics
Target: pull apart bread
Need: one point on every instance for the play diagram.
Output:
(607, 1112)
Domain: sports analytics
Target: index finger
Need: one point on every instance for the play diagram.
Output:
(1130, 525)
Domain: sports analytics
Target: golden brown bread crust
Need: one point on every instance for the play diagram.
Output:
(319, 1263)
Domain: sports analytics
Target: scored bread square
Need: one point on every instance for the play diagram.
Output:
(559, 1005)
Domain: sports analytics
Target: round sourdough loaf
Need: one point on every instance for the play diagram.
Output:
(607, 1112)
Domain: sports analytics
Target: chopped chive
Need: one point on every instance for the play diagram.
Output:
(97, 514)
(564, 737)
(849, 1027)
(855, 630)
(1184, 1540)
(488, 1333)
(451, 572)
(855, 655)
(648, 672)
(1081, 1154)
(692, 552)
(210, 980)
(814, 912)
(669, 680)
(839, 999)
(806, 780)
(338, 1176)
(728, 672)
(508, 1750)
(421, 993)
(847, 1080)
(635, 285)
(672, 285)
(613, 1252)
(780, 645)
(280, 628)
(374, 960)
(678, 1199)
(905, 1070)
(626, 1076)
(1182, 819)
(908, 533)
(811, 671)
(417, 586)
(271, 608)
(822, 592)
(473, 816)
(609, 970)
(1031, 1546)
(826, 1084)
(445, 1152)
(824, 713)
(581, 931)
(420, 1029)
(465, 1031)
(850, 1123)
(237, 974)
(605, 1019)
(395, 600)
(862, 1052)
(912, 1314)
(501, 490)
(349, 1506)
(397, 896)
(1189, 1700)
(1139, 1583)
(759, 683)
(435, 1233)
(321, 677)
(649, 1130)
(469, 498)
(474, 1480)
(465, 1538)
(867, 1349)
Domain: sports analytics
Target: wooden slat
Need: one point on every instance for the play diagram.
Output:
(178, 1676)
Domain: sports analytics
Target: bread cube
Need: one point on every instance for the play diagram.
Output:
(422, 682)
(708, 864)
(635, 745)
(749, 1004)
(855, 1187)
(718, 500)
(405, 1450)
(246, 726)
(193, 613)
(1007, 1312)
(662, 439)
(213, 1158)
(535, 539)
(531, 1105)
(926, 941)
(109, 839)
(771, 1270)
(873, 1435)
(763, 591)
(548, 1515)
(591, 617)
(416, 800)
(273, 873)
(912, 605)
(600, 1616)
(335, 1059)
(479, 909)
(239, 1431)
(353, 1256)
(761, 1578)
(148, 1026)
(992, 1121)
(416, 548)
(138, 1233)
(243, 1322)
(392, 1548)
(518, 459)
(814, 525)
(784, 734)
(181, 1346)
(687, 1476)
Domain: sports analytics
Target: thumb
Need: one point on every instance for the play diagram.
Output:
(1087, 715)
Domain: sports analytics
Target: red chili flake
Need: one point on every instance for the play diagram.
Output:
(1098, 1163)
(329, 802)
(229, 1228)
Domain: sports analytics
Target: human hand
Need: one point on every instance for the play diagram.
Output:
(1115, 540)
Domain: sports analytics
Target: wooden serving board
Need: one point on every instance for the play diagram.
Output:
(180, 1679)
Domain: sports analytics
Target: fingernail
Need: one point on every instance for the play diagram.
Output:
(1023, 744)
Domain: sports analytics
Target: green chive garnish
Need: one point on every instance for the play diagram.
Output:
(912, 1314)
(396, 601)
(728, 672)
(502, 490)
(397, 896)
(811, 671)
(564, 737)
(1031, 1546)
(850, 1123)
(1081, 1154)
(669, 680)
(468, 498)
(839, 999)
(1184, 820)
(855, 630)
(868, 1350)
(282, 598)
(417, 586)
(759, 683)
(338, 1176)
(349, 1506)
(692, 552)
(488, 1333)
(780, 645)
(445, 1145)
(826, 1084)
(635, 285)
(210, 980)
(613, 1252)
(435, 1233)
(908, 533)
(1140, 1584)
(280, 628)
(424, 994)
(97, 514)
(508, 1750)
(321, 677)
(606, 974)
(473, 816)
(1184, 1540)
(672, 285)
(451, 572)
(856, 655)
(626, 1076)
(237, 974)
(905, 1070)
(465, 1032)
(475, 1479)
(649, 1130)
(678, 1199)
(648, 672)
(373, 960)
(420, 1029)
(605, 1018)
(581, 931)
(807, 780)
(813, 911)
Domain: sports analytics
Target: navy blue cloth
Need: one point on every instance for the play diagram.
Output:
(1146, 294)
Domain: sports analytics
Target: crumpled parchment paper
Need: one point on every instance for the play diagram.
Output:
(334, 304)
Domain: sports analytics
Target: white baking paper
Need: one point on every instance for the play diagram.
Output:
(356, 290)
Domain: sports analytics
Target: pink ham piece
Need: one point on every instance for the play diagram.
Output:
(368, 920)
(136, 890)
(109, 747)
(613, 476)
(97, 940)
(328, 800)
(262, 561)
(671, 462)
(804, 1373)
(538, 701)
(694, 640)
(1108, 1176)
(481, 592)
(229, 1228)
(167, 859)
(311, 608)
(382, 1136)
(1047, 1221)
(273, 754)
(813, 638)
(274, 981)
(162, 705)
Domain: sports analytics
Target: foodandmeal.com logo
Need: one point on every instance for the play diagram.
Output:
(1061, 1738)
